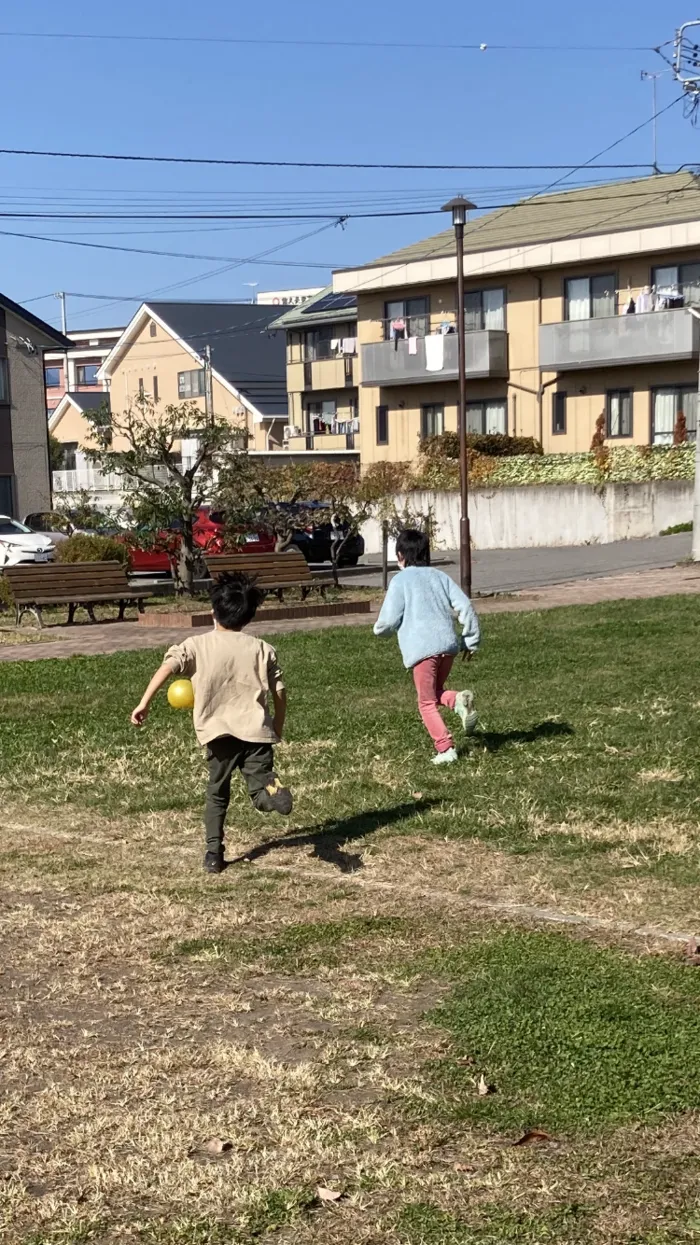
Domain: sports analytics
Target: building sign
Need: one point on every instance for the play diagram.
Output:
(286, 298)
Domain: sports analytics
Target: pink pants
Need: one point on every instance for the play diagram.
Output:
(429, 677)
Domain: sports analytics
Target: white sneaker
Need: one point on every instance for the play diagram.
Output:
(445, 758)
(464, 708)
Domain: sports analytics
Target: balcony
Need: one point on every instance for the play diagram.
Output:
(89, 479)
(654, 337)
(389, 362)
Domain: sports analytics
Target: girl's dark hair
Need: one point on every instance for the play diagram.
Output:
(414, 547)
(235, 600)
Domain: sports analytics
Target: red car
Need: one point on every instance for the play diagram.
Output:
(208, 536)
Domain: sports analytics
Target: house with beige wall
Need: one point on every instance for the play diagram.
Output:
(575, 305)
(161, 355)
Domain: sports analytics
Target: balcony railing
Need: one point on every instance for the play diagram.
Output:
(654, 336)
(77, 479)
(401, 362)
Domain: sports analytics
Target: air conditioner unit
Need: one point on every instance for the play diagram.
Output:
(291, 430)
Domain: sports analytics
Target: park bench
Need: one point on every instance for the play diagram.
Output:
(70, 583)
(273, 572)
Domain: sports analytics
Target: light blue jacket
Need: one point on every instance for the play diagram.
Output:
(420, 606)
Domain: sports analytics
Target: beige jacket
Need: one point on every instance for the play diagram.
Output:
(233, 675)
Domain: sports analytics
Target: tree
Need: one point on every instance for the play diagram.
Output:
(680, 430)
(162, 495)
(277, 501)
(57, 453)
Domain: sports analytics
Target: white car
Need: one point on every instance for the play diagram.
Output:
(19, 544)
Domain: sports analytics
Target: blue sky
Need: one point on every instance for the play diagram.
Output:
(253, 101)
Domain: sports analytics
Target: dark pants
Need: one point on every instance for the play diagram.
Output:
(257, 765)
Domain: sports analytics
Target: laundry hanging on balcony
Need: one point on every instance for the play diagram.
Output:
(413, 345)
(434, 352)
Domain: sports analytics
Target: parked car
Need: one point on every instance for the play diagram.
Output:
(18, 543)
(56, 526)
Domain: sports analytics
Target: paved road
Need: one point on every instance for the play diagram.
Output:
(507, 570)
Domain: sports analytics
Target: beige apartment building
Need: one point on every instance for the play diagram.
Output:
(575, 305)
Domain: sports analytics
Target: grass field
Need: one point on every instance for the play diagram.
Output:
(187, 1060)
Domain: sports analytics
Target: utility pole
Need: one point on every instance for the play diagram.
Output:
(208, 386)
(647, 76)
(62, 299)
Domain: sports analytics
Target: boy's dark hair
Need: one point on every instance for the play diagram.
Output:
(414, 547)
(235, 599)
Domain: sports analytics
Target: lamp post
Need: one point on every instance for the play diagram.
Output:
(695, 550)
(459, 208)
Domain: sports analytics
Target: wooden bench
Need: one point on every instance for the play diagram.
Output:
(71, 584)
(273, 572)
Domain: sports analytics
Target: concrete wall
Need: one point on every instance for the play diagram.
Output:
(546, 515)
(28, 416)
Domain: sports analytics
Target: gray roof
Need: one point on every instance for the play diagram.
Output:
(89, 400)
(304, 316)
(658, 200)
(243, 349)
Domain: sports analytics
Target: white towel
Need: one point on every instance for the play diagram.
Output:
(413, 345)
(348, 345)
(434, 352)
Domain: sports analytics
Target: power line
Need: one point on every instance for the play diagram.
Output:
(137, 250)
(321, 43)
(304, 164)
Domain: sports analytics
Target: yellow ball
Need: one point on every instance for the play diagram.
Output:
(181, 694)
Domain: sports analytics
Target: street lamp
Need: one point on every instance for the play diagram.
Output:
(459, 208)
(695, 550)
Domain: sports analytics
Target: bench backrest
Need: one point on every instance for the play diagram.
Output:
(42, 584)
(271, 570)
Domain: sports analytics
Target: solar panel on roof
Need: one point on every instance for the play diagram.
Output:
(331, 302)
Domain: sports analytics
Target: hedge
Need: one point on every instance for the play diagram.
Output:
(493, 444)
(84, 548)
(613, 464)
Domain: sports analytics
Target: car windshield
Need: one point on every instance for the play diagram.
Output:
(10, 527)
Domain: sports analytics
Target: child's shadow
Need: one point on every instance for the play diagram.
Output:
(493, 741)
(329, 838)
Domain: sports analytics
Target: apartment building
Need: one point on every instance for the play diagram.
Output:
(575, 304)
(25, 481)
(75, 370)
(322, 378)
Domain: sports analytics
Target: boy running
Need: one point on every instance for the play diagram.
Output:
(420, 606)
(233, 676)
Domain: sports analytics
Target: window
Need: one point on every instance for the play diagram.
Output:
(487, 417)
(558, 414)
(52, 377)
(4, 381)
(155, 388)
(140, 386)
(667, 404)
(414, 313)
(86, 374)
(152, 328)
(321, 415)
(619, 413)
(591, 298)
(678, 281)
(432, 420)
(6, 494)
(190, 384)
(484, 309)
(382, 425)
(325, 342)
(70, 450)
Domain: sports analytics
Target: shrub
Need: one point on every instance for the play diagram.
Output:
(84, 548)
(7, 601)
(491, 444)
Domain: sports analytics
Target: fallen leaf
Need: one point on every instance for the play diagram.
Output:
(484, 1087)
(463, 1167)
(532, 1136)
(215, 1145)
(327, 1195)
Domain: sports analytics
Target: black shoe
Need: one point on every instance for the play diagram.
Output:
(274, 798)
(214, 861)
